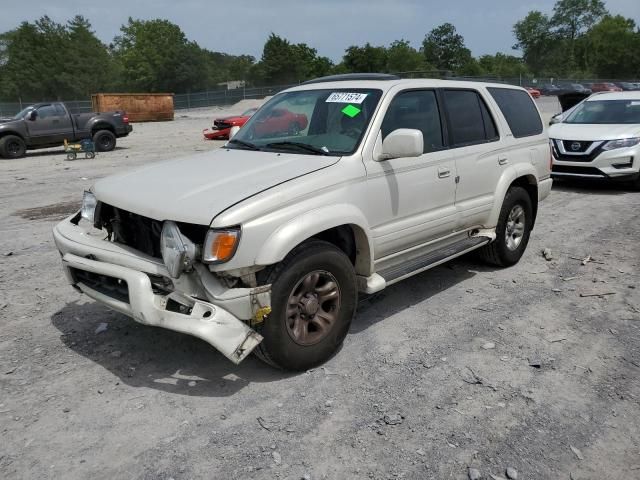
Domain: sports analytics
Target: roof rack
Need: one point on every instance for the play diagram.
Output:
(352, 76)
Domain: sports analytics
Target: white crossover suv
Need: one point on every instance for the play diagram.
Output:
(265, 244)
(599, 138)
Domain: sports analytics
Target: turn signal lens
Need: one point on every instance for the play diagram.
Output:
(220, 245)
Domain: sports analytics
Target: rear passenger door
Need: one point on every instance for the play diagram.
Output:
(413, 199)
(475, 144)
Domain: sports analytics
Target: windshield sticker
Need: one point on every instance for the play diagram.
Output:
(346, 97)
(351, 111)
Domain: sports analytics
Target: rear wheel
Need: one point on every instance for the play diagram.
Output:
(512, 231)
(12, 146)
(104, 140)
(313, 300)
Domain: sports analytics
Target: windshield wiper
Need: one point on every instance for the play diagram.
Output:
(248, 145)
(301, 146)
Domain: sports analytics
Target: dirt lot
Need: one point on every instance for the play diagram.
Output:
(462, 366)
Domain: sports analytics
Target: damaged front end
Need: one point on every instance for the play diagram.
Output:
(152, 271)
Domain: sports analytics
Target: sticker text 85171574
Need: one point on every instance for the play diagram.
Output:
(346, 97)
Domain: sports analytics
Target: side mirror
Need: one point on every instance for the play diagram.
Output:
(33, 114)
(403, 142)
(557, 118)
(233, 131)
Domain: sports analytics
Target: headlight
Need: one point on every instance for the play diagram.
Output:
(220, 245)
(88, 209)
(177, 250)
(623, 143)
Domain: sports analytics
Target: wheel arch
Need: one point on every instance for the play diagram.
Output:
(101, 125)
(15, 134)
(526, 179)
(348, 232)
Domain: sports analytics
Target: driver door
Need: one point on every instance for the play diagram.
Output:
(50, 126)
(412, 199)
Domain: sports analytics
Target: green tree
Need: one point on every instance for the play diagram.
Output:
(572, 18)
(444, 48)
(402, 57)
(615, 44)
(535, 39)
(283, 62)
(503, 66)
(365, 59)
(156, 56)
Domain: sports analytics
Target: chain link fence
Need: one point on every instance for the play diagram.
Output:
(226, 97)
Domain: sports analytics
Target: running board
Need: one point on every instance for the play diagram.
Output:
(432, 259)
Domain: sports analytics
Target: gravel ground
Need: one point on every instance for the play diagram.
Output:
(459, 369)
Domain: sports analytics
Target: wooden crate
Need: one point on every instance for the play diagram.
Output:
(140, 107)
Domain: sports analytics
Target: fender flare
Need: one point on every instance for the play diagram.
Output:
(302, 227)
(509, 176)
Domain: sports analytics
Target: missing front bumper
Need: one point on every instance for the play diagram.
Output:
(213, 324)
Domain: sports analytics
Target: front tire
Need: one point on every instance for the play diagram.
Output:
(104, 140)
(513, 230)
(12, 146)
(313, 300)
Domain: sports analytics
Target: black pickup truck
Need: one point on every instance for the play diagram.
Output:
(49, 124)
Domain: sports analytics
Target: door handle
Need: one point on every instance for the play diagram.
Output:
(502, 160)
(444, 173)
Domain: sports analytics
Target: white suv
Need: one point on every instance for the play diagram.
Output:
(266, 242)
(599, 138)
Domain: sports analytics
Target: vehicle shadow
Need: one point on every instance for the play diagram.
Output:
(586, 186)
(143, 356)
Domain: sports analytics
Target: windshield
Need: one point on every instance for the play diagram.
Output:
(22, 113)
(249, 112)
(606, 112)
(312, 122)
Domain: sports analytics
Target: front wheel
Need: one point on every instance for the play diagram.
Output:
(12, 146)
(313, 300)
(512, 231)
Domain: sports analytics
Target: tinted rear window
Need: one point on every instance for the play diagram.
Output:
(469, 120)
(519, 111)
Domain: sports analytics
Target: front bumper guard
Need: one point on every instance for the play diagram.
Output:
(216, 326)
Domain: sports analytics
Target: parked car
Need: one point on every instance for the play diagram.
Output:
(572, 88)
(549, 89)
(535, 93)
(49, 124)
(265, 244)
(599, 138)
(627, 86)
(605, 87)
(222, 126)
(280, 120)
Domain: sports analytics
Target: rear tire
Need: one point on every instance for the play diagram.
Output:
(313, 300)
(512, 231)
(104, 140)
(12, 146)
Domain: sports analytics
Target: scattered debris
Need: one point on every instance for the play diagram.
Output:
(277, 458)
(395, 419)
(547, 254)
(8, 254)
(535, 362)
(512, 473)
(265, 424)
(116, 354)
(489, 346)
(556, 338)
(576, 452)
(421, 452)
(102, 327)
(474, 474)
(11, 370)
(496, 477)
(477, 380)
(586, 259)
(597, 294)
(568, 279)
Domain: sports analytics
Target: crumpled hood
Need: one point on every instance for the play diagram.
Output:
(581, 132)
(195, 189)
(233, 118)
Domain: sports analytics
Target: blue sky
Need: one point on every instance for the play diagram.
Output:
(242, 26)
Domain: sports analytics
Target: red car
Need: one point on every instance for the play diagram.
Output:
(222, 126)
(281, 120)
(533, 92)
(605, 87)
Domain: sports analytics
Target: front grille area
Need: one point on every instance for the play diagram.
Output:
(569, 146)
(110, 286)
(576, 170)
(580, 157)
(221, 124)
(139, 232)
